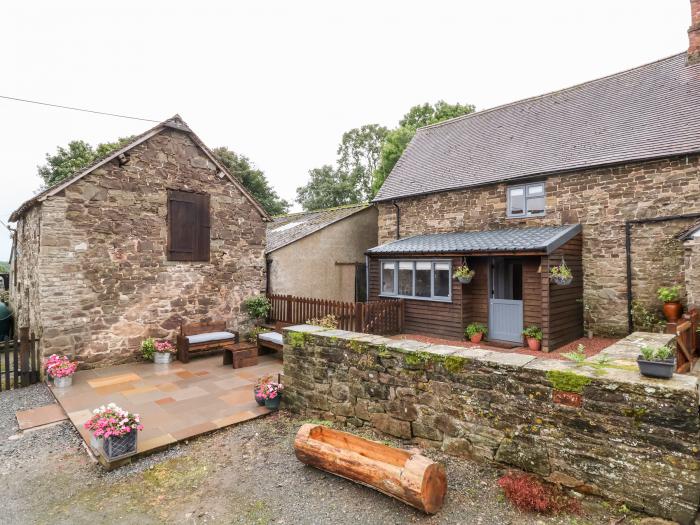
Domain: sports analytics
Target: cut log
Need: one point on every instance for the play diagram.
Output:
(405, 475)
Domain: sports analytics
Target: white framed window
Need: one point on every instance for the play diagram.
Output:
(526, 200)
(424, 279)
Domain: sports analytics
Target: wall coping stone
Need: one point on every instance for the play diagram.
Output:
(622, 354)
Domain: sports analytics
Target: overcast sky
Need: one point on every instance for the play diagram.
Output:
(280, 81)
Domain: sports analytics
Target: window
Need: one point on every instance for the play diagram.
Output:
(526, 200)
(188, 226)
(423, 279)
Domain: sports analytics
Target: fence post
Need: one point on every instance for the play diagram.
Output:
(24, 355)
(401, 314)
(358, 318)
(289, 309)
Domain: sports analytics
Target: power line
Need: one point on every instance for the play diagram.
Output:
(77, 109)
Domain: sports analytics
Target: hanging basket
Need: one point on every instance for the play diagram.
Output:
(466, 279)
(561, 275)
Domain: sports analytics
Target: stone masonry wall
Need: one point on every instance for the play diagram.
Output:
(692, 271)
(24, 296)
(601, 200)
(604, 431)
(103, 277)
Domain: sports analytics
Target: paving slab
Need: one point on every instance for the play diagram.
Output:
(37, 417)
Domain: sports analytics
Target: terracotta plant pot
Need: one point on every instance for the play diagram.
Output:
(476, 338)
(533, 344)
(673, 311)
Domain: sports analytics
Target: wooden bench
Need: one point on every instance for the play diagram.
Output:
(203, 337)
(272, 340)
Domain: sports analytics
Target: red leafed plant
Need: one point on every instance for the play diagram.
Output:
(528, 493)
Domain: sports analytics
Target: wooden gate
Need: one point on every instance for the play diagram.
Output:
(687, 342)
(20, 365)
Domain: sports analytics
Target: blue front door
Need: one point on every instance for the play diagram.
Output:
(506, 300)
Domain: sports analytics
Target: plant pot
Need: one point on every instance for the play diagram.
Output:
(563, 281)
(118, 447)
(533, 344)
(658, 369)
(273, 404)
(162, 358)
(258, 398)
(673, 311)
(465, 280)
(96, 443)
(476, 338)
(62, 382)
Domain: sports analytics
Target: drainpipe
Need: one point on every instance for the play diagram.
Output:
(628, 253)
(398, 219)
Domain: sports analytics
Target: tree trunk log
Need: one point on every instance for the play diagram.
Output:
(404, 475)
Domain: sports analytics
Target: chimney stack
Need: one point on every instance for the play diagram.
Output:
(694, 33)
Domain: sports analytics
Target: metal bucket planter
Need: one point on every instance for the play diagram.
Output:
(162, 358)
(658, 369)
(62, 382)
(119, 447)
(466, 280)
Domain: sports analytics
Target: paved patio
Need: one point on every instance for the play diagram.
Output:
(176, 401)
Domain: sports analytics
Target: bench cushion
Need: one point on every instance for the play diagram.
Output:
(272, 337)
(209, 337)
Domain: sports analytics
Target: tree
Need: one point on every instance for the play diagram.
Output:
(253, 180)
(358, 155)
(328, 187)
(397, 139)
(78, 155)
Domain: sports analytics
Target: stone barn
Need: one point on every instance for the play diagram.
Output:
(155, 234)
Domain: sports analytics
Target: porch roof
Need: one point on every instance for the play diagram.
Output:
(543, 239)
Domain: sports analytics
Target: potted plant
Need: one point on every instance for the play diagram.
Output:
(259, 387)
(117, 428)
(475, 332)
(533, 336)
(561, 274)
(672, 306)
(657, 362)
(160, 352)
(464, 274)
(257, 307)
(271, 392)
(61, 370)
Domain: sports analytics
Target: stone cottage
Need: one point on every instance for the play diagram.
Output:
(321, 254)
(617, 157)
(155, 234)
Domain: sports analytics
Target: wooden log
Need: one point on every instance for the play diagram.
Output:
(405, 475)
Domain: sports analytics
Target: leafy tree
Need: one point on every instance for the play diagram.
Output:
(328, 187)
(79, 154)
(397, 139)
(359, 154)
(253, 180)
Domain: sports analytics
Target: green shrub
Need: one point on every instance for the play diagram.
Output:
(257, 306)
(148, 348)
(476, 328)
(567, 381)
(252, 336)
(533, 332)
(669, 294)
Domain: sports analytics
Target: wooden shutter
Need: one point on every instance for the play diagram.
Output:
(188, 226)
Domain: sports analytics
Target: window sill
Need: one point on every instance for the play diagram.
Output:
(521, 217)
(412, 298)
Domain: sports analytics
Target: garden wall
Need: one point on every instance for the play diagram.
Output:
(601, 430)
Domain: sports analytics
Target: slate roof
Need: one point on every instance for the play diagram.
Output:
(651, 111)
(290, 228)
(175, 122)
(540, 239)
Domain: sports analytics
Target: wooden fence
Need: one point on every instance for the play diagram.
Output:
(687, 342)
(19, 361)
(377, 317)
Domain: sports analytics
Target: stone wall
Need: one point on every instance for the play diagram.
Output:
(601, 200)
(24, 295)
(692, 271)
(103, 278)
(604, 431)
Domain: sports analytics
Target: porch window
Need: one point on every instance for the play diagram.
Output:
(422, 279)
(526, 200)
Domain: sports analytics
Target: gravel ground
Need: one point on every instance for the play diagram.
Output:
(246, 474)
